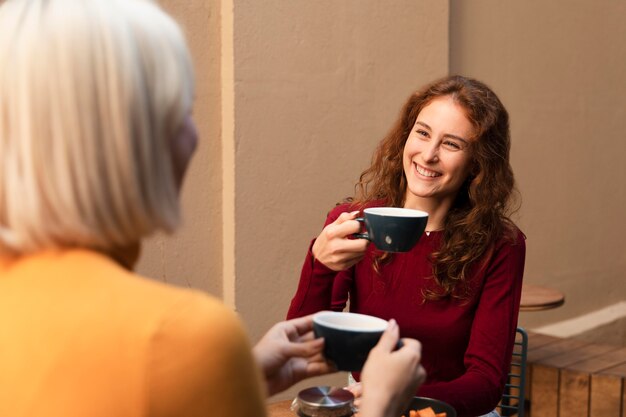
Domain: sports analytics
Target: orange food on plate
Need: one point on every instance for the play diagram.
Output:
(425, 412)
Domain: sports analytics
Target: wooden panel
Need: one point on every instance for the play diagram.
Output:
(576, 354)
(607, 360)
(614, 379)
(568, 377)
(574, 393)
(544, 389)
(544, 353)
(606, 395)
(537, 340)
(619, 370)
(541, 346)
(280, 409)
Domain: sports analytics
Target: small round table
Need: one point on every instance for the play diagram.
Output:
(537, 297)
(280, 409)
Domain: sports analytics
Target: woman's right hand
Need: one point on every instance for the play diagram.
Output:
(390, 377)
(335, 249)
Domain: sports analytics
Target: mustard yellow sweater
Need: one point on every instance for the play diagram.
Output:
(82, 336)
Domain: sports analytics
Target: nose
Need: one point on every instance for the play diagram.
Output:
(431, 152)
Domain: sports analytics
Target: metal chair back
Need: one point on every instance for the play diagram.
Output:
(512, 403)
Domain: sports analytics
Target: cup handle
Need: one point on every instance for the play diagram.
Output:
(361, 235)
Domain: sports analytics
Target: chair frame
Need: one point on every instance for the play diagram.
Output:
(512, 402)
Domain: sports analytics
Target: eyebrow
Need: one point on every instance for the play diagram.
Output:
(448, 135)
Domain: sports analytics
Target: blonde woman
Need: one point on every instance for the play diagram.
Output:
(95, 137)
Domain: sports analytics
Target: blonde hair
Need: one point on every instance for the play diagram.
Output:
(92, 92)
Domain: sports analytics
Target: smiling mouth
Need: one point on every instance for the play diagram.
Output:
(426, 172)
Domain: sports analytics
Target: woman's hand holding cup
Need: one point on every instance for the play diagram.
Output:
(334, 247)
(390, 376)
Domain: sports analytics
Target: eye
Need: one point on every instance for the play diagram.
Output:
(452, 145)
(422, 133)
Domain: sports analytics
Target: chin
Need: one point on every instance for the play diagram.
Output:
(421, 193)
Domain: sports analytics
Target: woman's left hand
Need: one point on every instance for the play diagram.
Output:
(289, 353)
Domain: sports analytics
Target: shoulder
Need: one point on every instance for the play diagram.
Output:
(509, 251)
(198, 320)
(513, 238)
(153, 308)
(189, 351)
(200, 358)
(166, 320)
(210, 334)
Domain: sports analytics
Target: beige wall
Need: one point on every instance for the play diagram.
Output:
(318, 83)
(560, 70)
(193, 256)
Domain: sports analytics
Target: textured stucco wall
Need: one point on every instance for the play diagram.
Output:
(317, 85)
(193, 255)
(559, 68)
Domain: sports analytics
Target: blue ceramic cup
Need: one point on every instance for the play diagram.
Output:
(348, 337)
(393, 229)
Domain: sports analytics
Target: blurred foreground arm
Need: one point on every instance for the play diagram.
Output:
(289, 353)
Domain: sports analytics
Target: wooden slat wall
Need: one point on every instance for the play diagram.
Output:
(569, 377)
(574, 390)
(535, 342)
(606, 395)
(545, 379)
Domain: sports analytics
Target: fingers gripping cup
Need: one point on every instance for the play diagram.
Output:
(393, 229)
(348, 337)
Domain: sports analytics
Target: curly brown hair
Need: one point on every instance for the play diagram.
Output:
(479, 216)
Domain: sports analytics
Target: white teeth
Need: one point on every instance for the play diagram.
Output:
(425, 172)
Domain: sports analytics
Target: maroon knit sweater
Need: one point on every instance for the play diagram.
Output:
(466, 346)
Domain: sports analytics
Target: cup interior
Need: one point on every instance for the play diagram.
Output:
(395, 212)
(352, 322)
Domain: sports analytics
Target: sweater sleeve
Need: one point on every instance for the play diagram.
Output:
(488, 355)
(200, 364)
(320, 288)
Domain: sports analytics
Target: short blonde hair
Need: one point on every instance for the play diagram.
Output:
(92, 92)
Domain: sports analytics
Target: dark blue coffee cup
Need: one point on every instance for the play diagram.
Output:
(393, 229)
(348, 337)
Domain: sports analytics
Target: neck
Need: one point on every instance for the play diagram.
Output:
(126, 256)
(437, 210)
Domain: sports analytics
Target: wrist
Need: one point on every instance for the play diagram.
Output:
(258, 353)
(378, 405)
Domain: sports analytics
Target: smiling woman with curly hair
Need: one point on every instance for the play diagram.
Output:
(458, 289)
